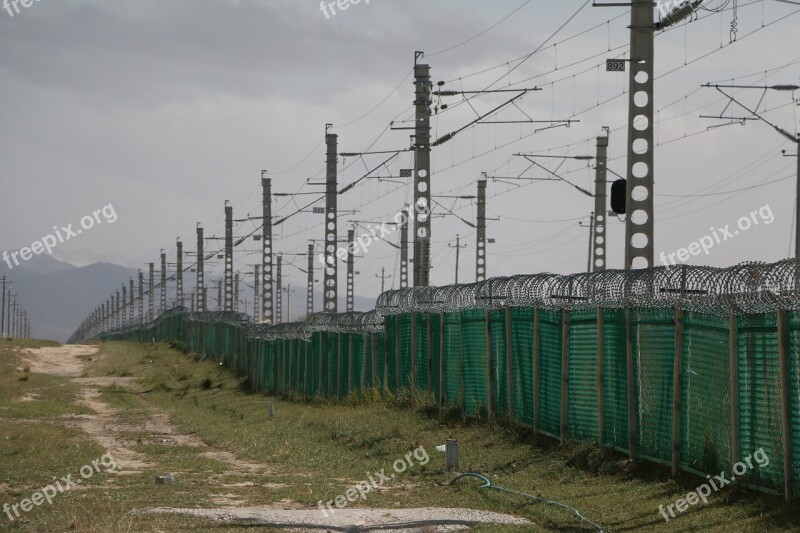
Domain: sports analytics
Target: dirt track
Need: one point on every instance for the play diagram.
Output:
(105, 427)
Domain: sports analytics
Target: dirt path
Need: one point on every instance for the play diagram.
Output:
(109, 431)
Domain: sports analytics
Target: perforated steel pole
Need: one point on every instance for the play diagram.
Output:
(151, 292)
(422, 177)
(256, 292)
(351, 237)
(278, 291)
(480, 247)
(599, 238)
(639, 193)
(404, 247)
(310, 294)
(179, 276)
(228, 257)
(141, 297)
(266, 252)
(133, 299)
(163, 282)
(331, 293)
(200, 280)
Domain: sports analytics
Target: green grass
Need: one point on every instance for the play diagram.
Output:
(314, 451)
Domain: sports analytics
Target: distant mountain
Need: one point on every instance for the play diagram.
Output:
(58, 296)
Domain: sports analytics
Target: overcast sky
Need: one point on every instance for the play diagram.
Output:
(165, 109)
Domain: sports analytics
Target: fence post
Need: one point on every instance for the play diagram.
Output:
(441, 367)
(490, 366)
(398, 381)
(601, 379)
(413, 353)
(631, 399)
(349, 363)
(374, 354)
(338, 366)
(733, 351)
(429, 358)
(463, 371)
(677, 391)
(565, 316)
(786, 401)
(536, 357)
(509, 365)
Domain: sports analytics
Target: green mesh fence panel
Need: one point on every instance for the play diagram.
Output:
(453, 359)
(550, 372)
(794, 379)
(759, 396)
(615, 379)
(357, 362)
(435, 339)
(404, 329)
(522, 364)
(582, 404)
(706, 396)
(499, 369)
(392, 352)
(476, 387)
(653, 354)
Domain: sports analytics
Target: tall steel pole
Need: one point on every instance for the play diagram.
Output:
(236, 292)
(639, 193)
(256, 292)
(3, 313)
(480, 248)
(228, 257)
(141, 297)
(200, 280)
(278, 290)
(267, 308)
(124, 305)
(151, 292)
(163, 282)
(351, 237)
(310, 294)
(331, 293)
(797, 207)
(404, 247)
(133, 298)
(599, 238)
(179, 276)
(422, 174)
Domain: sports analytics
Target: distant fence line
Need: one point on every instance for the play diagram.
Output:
(707, 361)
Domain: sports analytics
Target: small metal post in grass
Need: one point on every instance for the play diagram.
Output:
(452, 455)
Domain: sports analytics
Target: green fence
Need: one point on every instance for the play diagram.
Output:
(546, 369)
(694, 368)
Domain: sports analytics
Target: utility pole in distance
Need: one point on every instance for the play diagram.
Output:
(133, 299)
(331, 298)
(163, 282)
(151, 293)
(458, 248)
(383, 278)
(200, 284)
(141, 297)
(480, 251)
(3, 313)
(422, 173)
(179, 276)
(228, 256)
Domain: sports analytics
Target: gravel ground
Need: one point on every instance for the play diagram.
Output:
(353, 520)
